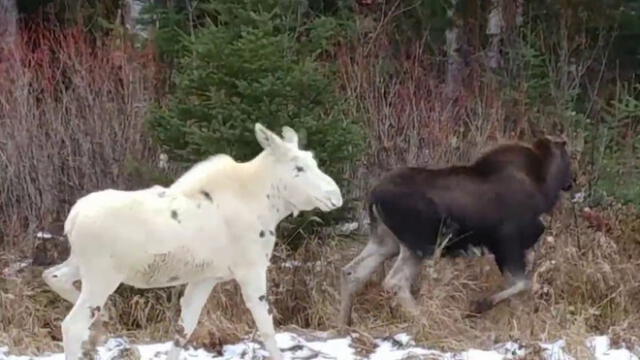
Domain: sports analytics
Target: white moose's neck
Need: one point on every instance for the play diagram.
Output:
(273, 189)
(256, 183)
(279, 206)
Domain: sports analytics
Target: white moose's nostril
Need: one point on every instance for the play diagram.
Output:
(336, 199)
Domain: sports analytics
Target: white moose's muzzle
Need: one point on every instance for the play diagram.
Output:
(331, 197)
(330, 201)
(335, 199)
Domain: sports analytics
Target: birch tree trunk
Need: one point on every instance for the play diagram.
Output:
(519, 12)
(455, 64)
(131, 14)
(495, 30)
(127, 15)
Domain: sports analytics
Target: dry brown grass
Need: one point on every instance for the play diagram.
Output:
(583, 287)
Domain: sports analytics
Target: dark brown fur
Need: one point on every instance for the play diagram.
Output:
(494, 202)
(511, 185)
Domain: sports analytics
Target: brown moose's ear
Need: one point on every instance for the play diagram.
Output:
(537, 132)
(541, 142)
(563, 140)
(560, 140)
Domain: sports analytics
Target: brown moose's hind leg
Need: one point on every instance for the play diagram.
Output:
(381, 246)
(481, 306)
(401, 278)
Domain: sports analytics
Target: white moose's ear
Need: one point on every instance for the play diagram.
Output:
(270, 141)
(289, 135)
(265, 137)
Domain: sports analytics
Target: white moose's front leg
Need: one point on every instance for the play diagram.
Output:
(191, 304)
(254, 291)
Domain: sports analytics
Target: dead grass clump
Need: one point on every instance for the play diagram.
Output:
(133, 309)
(594, 274)
(578, 293)
(583, 288)
(30, 315)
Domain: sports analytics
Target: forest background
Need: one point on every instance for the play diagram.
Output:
(129, 93)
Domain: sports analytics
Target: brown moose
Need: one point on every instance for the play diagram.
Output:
(494, 203)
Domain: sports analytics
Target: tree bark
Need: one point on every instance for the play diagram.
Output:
(455, 64)
(519, 12)
(8, 26)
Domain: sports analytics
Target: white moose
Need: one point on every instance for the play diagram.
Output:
(215, 223)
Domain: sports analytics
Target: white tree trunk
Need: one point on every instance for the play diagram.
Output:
(8, 27)
(519, 12)
(131, 15)
(127, 15)
(495, 29)
(455, 65)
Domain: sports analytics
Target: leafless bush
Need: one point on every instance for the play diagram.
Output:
(72, 119)
(409, 117)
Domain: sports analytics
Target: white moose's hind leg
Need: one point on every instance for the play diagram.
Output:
(60, 279)
(96, 288)
(254, 292)
(194, 298)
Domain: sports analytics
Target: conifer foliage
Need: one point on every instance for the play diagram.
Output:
(241, 62)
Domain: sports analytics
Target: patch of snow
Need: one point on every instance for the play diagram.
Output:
(555, 351)
(578, 197)
(317, 265)
(346, 228)
(398, 347)
(295, 347)
(599, 344)
(44, 235)
(291, 264)
(601, 347)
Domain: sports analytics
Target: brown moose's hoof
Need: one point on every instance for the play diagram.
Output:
(480, 306)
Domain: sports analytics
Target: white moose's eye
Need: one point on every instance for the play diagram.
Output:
(299, 169)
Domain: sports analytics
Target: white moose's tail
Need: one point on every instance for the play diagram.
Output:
(69, 224)
(60, 278)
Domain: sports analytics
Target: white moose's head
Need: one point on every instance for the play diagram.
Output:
(303, 185)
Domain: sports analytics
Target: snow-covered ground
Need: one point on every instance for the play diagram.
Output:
(399, 347)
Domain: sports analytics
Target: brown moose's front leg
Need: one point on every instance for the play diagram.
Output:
(516, 285)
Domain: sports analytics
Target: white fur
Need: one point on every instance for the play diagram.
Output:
(215, 223)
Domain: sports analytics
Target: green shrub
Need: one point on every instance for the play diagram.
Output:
(246, 67)
(617, 149)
